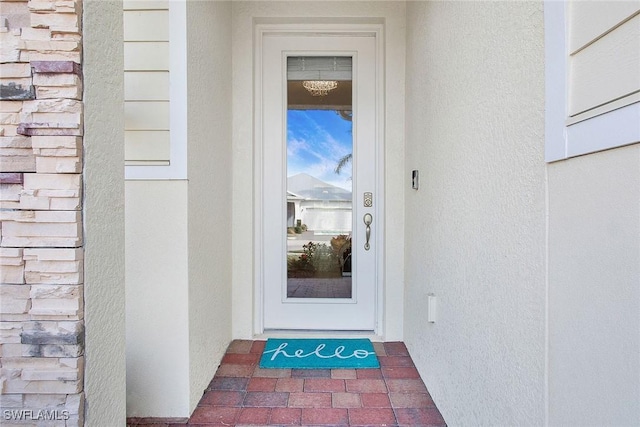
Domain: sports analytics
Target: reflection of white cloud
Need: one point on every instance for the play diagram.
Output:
(295, 145)
(312, 148)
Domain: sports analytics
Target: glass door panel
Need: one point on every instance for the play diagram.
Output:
(319, 177)
(318, 259)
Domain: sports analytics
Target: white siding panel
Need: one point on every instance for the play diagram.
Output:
(154, 33)
(606, 70)
(147, 146)
(146, 86)
(591, 19)
(615, 129)
(147, 25)
(145, 4)
(146, 115)
(145, 56)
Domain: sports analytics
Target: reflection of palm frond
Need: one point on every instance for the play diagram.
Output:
(343, 162)
(345, 114)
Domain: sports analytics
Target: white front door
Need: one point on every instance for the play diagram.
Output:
(317, 229)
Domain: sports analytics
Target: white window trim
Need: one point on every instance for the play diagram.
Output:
(612, 129)
(177, 167)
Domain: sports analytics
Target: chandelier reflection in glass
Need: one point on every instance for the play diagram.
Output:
(319, 87)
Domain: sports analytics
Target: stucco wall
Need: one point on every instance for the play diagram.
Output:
(594, 289)
(209, 202)
(157, 284)
(243, 239)
(476, 227)
(104, 214)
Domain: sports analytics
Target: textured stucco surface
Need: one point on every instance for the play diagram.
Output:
(157, 299)
(475, 230)
(104, 214)
(209, 201)
(594, 289)
(243, 188)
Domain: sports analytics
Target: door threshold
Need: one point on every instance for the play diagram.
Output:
(299, 333)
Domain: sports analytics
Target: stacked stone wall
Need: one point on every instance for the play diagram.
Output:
(41, 244)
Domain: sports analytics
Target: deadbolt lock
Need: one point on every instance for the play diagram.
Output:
(368, 200)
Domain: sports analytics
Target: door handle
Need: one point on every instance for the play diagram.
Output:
(368, 219)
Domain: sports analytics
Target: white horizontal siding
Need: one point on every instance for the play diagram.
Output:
(146, 56)
(153, 115)
(607, 69)
(145, 4)
(146, 25)
(147, 88)
(147, 146)
(592, 83)
(590, 20)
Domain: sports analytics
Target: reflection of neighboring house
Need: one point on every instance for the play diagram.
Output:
(293, 208)
(323, 207)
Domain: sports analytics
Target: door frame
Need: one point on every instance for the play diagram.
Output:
(316, 27)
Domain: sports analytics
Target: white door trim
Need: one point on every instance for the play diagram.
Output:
(314, 27)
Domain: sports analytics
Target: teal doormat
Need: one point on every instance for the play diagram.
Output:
(317, 353)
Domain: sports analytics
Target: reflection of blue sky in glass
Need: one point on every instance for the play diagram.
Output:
(316, 141)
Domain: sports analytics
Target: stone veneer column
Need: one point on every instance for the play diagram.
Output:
(41, 243)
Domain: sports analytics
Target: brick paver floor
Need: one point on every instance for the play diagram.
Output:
(337, 287)
(241, 393)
